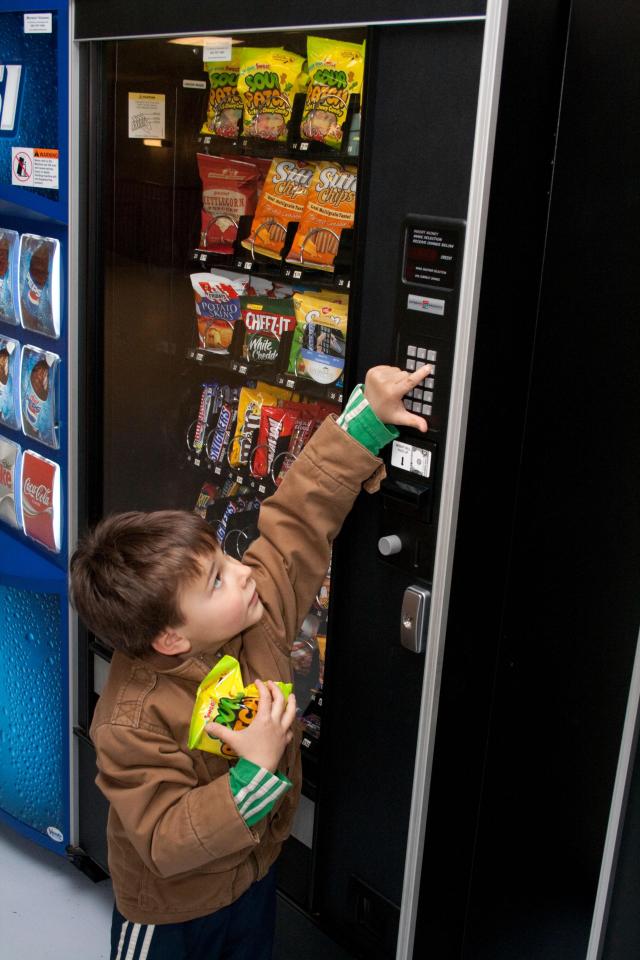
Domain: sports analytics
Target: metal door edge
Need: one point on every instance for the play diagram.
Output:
(624, 770)
(486, 116)
(72, 415)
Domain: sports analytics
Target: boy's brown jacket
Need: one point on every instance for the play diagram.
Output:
(178, 848)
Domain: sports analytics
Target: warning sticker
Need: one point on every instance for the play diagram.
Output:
(35, 167)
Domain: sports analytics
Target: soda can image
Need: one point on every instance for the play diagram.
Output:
(40, 500)
(39, 284)
(9, 246)
(9, 383)
(39, 395)
(10, 463)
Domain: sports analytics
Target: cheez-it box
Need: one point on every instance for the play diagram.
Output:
(41, 500)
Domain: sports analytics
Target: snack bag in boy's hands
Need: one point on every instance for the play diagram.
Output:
(335, 73)
(223, 697)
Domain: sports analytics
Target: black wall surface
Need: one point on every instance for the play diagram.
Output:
(514, 249)
(570, 626)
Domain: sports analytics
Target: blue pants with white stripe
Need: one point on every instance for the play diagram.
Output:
(242, 931)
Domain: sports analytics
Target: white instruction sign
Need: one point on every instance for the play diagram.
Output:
(217, 49)
(35, 167)
(416, 460)
(38, 23)
(147, 116)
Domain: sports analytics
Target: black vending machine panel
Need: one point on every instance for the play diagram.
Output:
(426, 320)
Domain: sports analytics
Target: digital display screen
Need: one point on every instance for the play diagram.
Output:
(430, 256)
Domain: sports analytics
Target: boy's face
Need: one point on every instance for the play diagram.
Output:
(219, 604)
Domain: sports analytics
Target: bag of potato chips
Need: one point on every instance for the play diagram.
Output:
(335, 74)
(330, 209)
(223, 697)
(267, 83)
(217, 297)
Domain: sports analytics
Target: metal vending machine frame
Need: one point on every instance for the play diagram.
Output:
(87, 173)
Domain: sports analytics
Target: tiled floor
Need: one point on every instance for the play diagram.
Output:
(48, 909)
(51, 911)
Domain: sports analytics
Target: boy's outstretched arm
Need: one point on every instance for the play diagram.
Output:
(299, 523)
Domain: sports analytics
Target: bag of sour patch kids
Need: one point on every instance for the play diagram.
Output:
(223, 697)
(335, 74)
(268, 80)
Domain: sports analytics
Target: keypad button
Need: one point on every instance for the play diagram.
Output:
(433, 369)
(408, 403)
(411, 351)
(411, 364)
(417, 394)
(428, 396)
(416, 407)
(432, 355)
(422, 353)
(429, 383)
(426, 409)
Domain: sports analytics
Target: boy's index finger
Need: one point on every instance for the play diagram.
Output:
(417, 376)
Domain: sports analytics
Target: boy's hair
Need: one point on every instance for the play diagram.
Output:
(127, 573)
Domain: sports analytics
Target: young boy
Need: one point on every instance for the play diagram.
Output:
(192, 838)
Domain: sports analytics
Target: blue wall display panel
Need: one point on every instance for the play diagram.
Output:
(33, 714)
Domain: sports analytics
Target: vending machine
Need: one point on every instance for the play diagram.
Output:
(265, 210)
(35, 790)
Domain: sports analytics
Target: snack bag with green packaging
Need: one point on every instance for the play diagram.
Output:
(268, 81)
(224, 109)
(319, 339)
(223, 697)
(336, 70)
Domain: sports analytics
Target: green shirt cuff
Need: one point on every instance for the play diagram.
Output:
(256, 790)
(360, 422)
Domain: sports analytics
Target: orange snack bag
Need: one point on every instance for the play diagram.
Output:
(282, 200)
(330, 209)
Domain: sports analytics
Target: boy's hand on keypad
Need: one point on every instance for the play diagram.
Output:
(385, 389)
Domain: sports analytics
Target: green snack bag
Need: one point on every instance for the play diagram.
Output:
(223, 697)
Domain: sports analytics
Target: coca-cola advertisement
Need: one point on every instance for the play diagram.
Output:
(10, 457)
(39, 284)
(9, 383)
(41, 500)
(39, 394)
